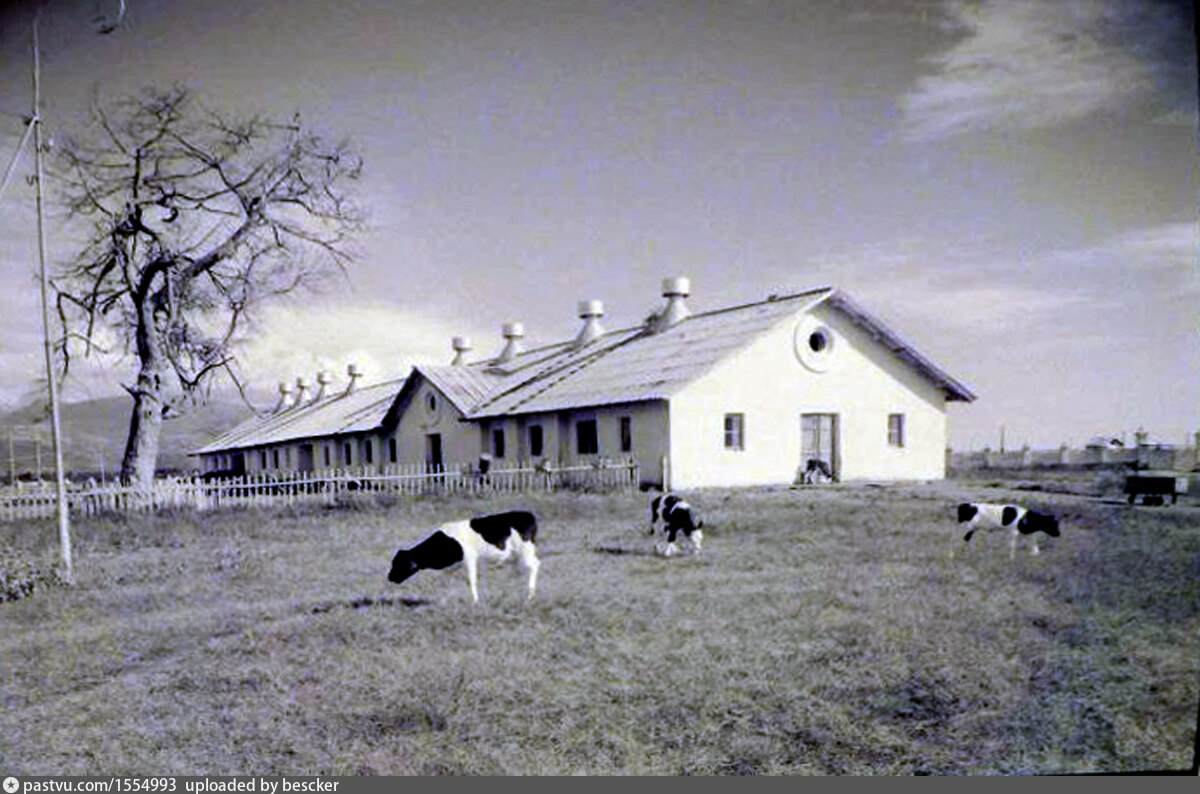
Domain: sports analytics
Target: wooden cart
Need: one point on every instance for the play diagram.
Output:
(1155, 486)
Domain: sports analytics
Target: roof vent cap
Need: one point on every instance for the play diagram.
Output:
(674, 290)
(462, 346)
(285, 397)
(354, 374)
(590, 312)
(513, 333)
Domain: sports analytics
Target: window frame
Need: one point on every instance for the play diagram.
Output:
(735, 431)
(593, 436)
(895, 430)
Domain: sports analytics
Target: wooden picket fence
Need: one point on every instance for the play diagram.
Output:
(331, 487)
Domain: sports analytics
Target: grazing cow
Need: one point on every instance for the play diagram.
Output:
(814, 470)
(677, 516)
(1021, 520)
(495, 538)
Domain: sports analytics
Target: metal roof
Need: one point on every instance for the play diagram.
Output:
(359, 411)
(634, 365)
(622, 366)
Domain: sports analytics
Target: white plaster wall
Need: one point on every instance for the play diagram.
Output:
(460, 440)
(767, 383)
(649, 435)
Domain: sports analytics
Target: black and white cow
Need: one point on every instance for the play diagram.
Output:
(1021, 520)
(495, 538)
(816, 470)
(677, 516)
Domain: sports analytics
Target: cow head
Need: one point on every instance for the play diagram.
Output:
(403, 566)
(1040, 522)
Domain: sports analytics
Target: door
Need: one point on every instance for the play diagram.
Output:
(433, 452)
(818, 441)
(306, 457)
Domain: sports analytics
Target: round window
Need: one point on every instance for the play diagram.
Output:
(431, 402)
(813, 344)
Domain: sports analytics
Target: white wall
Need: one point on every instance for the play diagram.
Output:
(862, 383)
(460, 440)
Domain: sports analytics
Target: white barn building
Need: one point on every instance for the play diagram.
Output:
(743, 395)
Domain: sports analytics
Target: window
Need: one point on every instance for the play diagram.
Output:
(735, 431)
(368, 451)
(895, 430)
(586, 441)
(393, 456)
(262, 459)
(535, 441)
(498, 443)
(347, 457)
(275, 458)
(626, 433)
(327, 461)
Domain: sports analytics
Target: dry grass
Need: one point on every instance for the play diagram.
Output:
(822, 631)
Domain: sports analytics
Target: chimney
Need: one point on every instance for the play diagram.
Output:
(512, 333)
(285, 397)
(323, 380)
(353, 373)
(590, 312)
(674, 290)
(301, 391)
(461, 346)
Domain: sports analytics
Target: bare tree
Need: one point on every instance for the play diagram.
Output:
(196, 221)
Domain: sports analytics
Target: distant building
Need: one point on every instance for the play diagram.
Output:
(743, 395)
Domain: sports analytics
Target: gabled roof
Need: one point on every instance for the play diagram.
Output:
(906, 352)
(359, 411)
(634, 365)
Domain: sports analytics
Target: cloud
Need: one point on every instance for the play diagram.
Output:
(383, 341)
(1033, 63)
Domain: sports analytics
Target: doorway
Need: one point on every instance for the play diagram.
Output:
(818, 441)
(433, 452)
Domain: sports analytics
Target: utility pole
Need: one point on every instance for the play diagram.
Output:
(12, 459)
(64, 525)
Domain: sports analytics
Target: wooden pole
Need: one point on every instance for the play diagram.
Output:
(64, 526)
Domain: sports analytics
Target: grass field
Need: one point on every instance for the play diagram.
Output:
(822, 631)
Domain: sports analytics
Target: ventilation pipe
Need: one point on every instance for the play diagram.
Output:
(590, 312)
(352, 373)
(512, 333)
(674, 290)
(323, 381)
(285, 397)
(301, 391)
(462, 346)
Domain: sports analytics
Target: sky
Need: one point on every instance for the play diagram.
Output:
(1011, 186)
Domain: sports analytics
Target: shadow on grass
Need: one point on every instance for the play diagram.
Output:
(368, 601)
(618, 550)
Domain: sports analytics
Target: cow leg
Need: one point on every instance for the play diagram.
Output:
(1012, 549)
(697, 539)
(472, 565)
(1035, 544)
(529, 561)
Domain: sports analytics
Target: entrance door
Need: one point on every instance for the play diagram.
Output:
(433, 452)
(818, 441)
(306, 457)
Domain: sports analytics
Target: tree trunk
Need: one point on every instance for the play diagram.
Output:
(145, 427)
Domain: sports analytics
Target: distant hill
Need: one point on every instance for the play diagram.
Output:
(94, 433)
